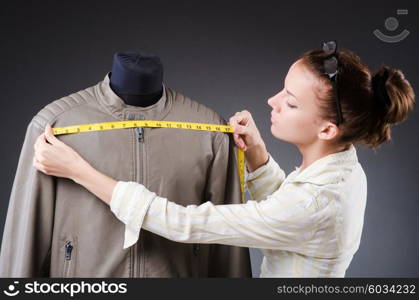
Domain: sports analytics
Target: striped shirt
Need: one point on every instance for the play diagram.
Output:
(308, 224)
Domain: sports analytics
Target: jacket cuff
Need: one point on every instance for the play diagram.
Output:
(130, 202)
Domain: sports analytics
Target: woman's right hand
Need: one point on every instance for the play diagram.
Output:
(247, 137)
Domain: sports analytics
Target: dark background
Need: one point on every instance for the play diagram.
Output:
(228, 56)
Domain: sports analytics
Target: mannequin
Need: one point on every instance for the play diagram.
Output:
(137, 78)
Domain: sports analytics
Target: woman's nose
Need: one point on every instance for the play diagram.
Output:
(271, 102)
(274, 103)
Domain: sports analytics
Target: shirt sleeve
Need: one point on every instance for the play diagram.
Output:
(129, 202)
(287, 220)
(265, 180)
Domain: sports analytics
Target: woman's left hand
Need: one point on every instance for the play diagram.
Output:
(56, 158)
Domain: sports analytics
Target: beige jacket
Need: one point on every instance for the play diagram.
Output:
(57, 228)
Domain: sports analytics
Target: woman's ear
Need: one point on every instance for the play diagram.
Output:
(328, 131)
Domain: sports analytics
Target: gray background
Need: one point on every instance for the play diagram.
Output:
(228, 56)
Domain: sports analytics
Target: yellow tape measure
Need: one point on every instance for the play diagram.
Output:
(160, 124)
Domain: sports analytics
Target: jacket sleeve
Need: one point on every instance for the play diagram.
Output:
(25, 249)
(223, 187)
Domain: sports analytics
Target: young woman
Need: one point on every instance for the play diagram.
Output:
(307, 224)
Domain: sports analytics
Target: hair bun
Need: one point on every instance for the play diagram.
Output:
(379, 89)
(393, 94)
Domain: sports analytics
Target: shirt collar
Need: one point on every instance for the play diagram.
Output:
(118, 108)
(328, 169)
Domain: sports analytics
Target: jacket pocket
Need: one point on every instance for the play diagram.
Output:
(196, 248)
(69, 257)
(196, 260)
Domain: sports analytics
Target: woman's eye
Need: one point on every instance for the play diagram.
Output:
(290, 105)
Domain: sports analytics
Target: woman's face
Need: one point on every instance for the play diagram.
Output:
(295, 112)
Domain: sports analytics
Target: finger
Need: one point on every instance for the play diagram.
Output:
(240, 129)
(39, 166)
(40, 140)
(37, 157)
(234, 121)
(236, 139)
(230, 121)
(244, 120)
(242, 144)
(239, 141)
(49, 135)
(36, 163)
(238, 116)
(42, 147)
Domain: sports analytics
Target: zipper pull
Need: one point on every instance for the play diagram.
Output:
(140, 133)
(140, 130)
(196, 249)
(68, 249)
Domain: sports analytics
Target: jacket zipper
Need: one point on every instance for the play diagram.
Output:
(140, 135)
(68, 249)
(138, 177)
(132, 249)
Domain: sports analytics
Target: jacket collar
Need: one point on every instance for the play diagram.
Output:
(328, 169)
(119, 109)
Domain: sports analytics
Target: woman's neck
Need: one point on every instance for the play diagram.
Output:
(311, 153)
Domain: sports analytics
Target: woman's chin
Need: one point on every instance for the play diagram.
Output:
(281, 137)
(275, 133)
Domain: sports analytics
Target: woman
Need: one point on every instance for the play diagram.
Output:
(307, 224)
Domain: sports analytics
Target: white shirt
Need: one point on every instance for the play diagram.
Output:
(307, 224)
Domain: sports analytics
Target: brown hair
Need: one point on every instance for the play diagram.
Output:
(370, 102)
